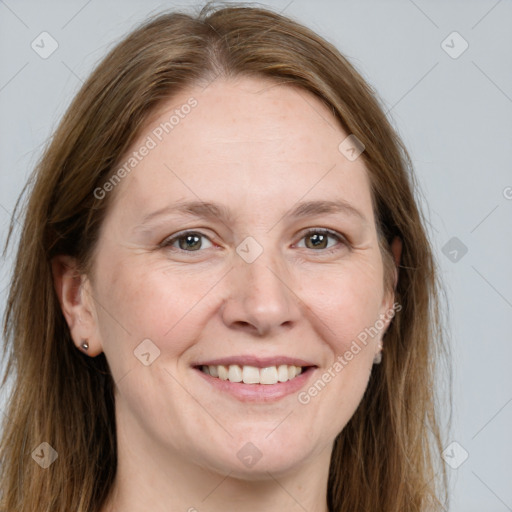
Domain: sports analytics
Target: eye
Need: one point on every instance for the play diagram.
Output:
(319, 239)
(189, 241)
(316, 239)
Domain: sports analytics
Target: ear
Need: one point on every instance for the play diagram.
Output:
(75, 298)
(388, 302)
(396, 250)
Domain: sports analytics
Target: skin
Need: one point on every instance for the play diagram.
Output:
(258, 149)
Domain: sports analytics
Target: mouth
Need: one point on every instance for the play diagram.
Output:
(256, 379)
(252, 374)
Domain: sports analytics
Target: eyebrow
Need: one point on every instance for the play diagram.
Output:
(210, 210)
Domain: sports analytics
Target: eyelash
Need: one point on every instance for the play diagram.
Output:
(167, 243)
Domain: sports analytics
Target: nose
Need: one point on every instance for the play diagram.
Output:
(261, 298)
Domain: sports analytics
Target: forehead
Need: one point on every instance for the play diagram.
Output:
(247, 138)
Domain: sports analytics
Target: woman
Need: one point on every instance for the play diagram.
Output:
(224, 294)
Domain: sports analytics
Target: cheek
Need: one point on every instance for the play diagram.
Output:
(346, 305)
(348, 302)
(150, 302)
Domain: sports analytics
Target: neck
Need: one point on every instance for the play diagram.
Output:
(218, 494)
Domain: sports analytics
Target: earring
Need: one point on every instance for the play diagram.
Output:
(85, 345)
(378, 356)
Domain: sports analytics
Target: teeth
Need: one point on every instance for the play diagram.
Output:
(282, 373)
(268, 375)
(252, 374)
(222, 371)
(235, 373)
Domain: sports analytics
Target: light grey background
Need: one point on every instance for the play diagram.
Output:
(454, 114)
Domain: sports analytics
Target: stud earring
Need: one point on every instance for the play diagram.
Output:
(85, 345)
(378, 356)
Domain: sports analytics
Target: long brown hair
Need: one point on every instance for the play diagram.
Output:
(387, 457)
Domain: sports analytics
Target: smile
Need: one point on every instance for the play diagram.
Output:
(252, 374)
(255, 378)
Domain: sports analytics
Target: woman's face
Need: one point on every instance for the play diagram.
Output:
(253, 282)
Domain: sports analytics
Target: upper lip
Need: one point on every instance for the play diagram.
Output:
(259, 362)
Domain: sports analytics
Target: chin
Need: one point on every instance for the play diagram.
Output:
(254, 460)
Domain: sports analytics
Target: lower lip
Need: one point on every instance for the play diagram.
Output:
(259, 392)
